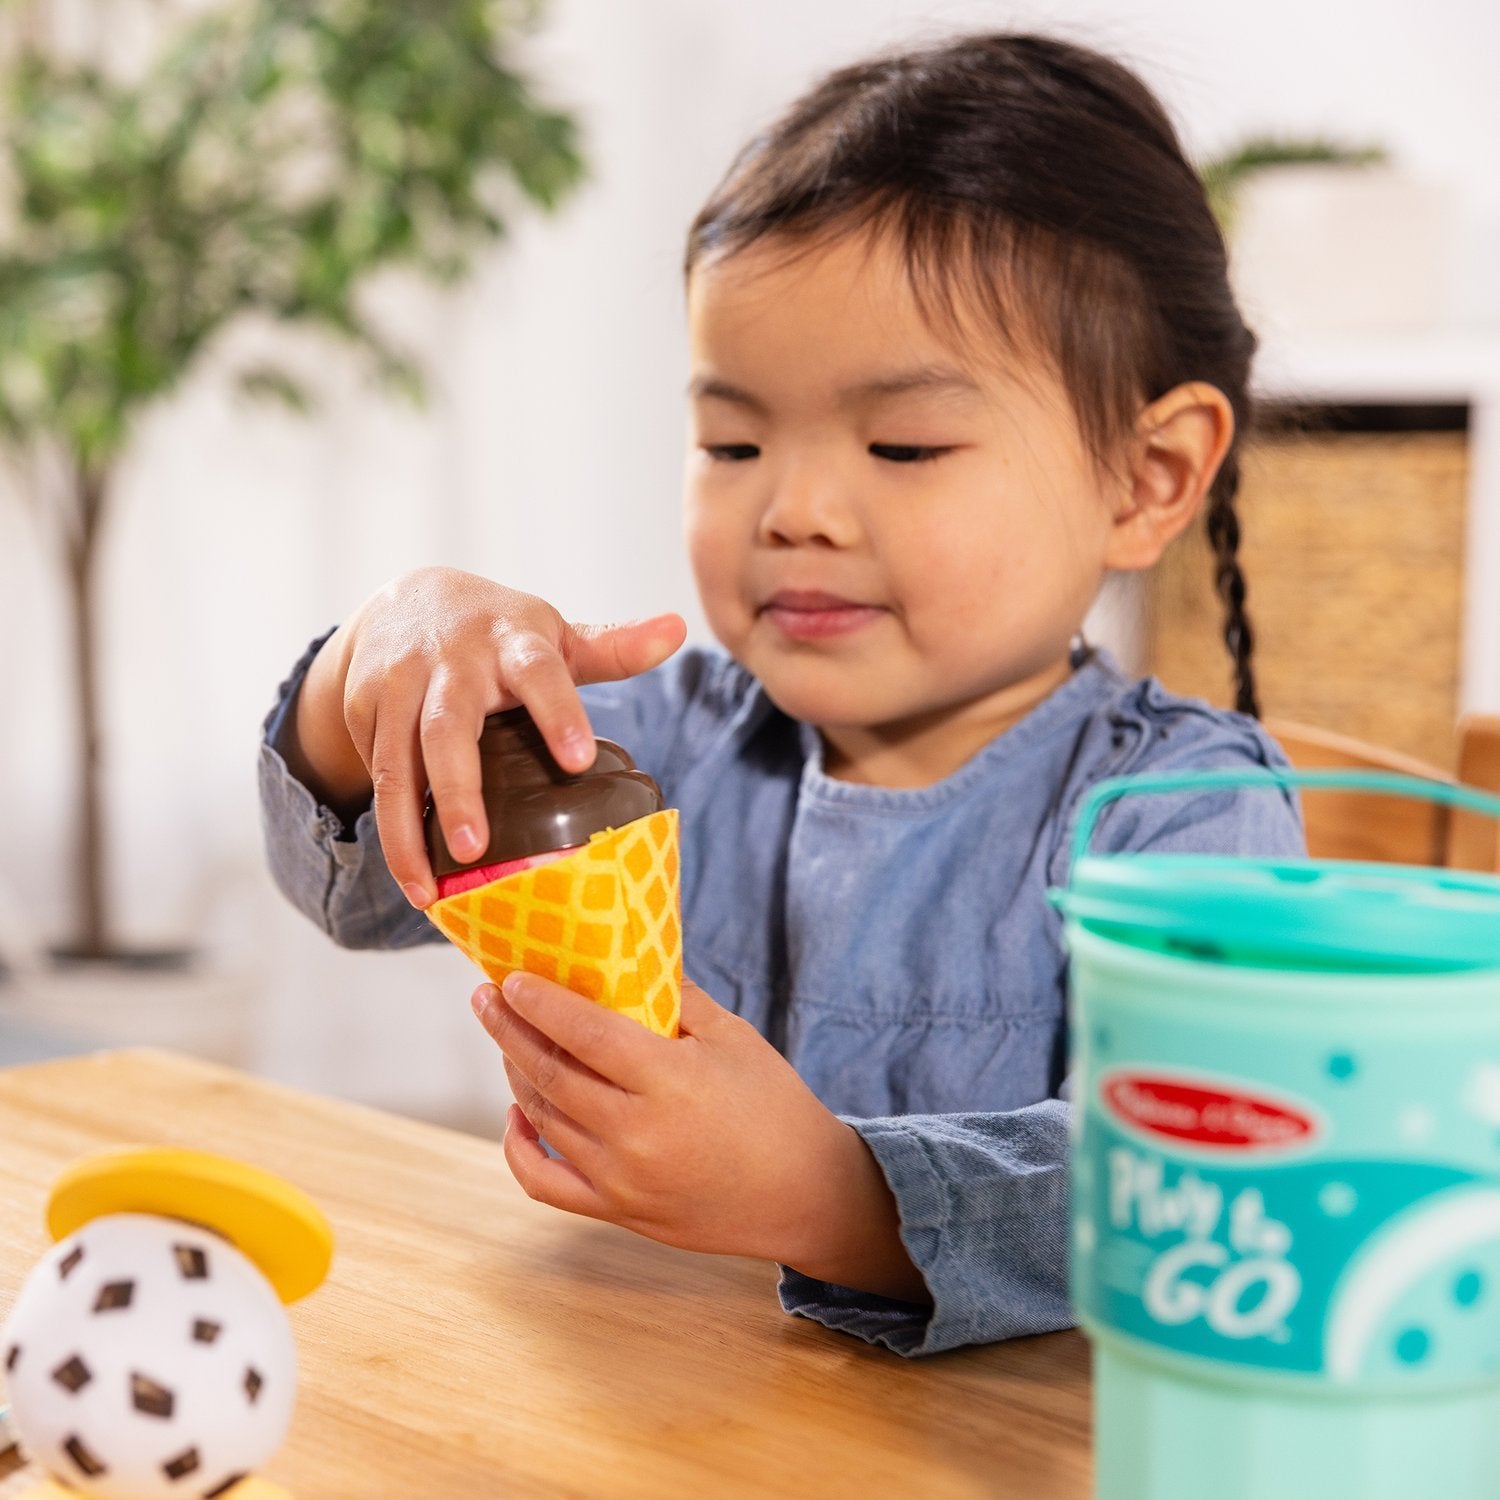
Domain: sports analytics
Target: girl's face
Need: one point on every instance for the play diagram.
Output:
(897, 536)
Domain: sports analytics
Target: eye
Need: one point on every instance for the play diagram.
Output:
(731, 453)
(906, 453)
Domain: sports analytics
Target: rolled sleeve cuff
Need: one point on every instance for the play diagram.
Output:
(991, 1251)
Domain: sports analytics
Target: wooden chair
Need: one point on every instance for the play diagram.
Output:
(1367, 826)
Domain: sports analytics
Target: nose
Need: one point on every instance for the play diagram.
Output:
(809, 504)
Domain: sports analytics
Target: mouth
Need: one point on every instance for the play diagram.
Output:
(808, 615)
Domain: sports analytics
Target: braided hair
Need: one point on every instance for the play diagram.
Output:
(1044, 183)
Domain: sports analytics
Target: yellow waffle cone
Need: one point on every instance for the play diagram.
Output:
(604, 921)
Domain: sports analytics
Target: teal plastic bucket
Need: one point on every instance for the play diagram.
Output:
(1286, 1165)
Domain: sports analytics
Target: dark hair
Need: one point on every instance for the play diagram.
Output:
(1045, 182)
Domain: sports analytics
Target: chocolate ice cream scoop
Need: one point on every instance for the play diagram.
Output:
(536, 808)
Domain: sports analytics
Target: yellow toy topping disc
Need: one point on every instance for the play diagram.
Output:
(275, 1224)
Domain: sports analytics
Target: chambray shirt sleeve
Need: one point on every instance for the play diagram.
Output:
(983, 1205)
(983, 1198)
(337, 876)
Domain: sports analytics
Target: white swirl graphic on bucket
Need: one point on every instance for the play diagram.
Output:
(1413, 1293)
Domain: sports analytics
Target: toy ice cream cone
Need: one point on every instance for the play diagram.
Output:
(602, 920)
(580, 880)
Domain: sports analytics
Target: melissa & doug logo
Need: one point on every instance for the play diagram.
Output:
(1216, 1114)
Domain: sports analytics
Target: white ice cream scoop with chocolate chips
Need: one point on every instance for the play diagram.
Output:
(148, 1355)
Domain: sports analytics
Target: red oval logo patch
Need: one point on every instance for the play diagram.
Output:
(1205, 1115)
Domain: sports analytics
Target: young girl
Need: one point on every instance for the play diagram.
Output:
(962, 343)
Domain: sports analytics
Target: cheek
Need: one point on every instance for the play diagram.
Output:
(989, 569)
(712, 555)
(941, 552)
(697, 532)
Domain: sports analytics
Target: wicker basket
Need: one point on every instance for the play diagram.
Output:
(1353, 550)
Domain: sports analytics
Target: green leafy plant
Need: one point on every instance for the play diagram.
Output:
(1224, 175)
(274, 156)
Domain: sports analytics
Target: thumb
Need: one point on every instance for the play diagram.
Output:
(606, 653)
(700, 1011)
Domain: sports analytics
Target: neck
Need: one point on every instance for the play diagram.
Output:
(921, 751)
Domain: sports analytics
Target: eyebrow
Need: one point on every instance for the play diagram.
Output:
(928, 378)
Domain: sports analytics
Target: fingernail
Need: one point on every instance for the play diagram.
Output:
(466, 843)
(514, 987)
(418, 895)
(483, 1001)
(578, 748)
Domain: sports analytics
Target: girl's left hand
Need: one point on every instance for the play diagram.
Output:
(709, 1141)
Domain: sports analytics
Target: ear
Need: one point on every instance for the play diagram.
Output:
(1178, 443)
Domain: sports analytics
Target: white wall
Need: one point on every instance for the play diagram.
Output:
(549, 455)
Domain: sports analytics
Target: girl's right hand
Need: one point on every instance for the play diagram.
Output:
(394, 703)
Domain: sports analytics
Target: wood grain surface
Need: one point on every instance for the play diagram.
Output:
(471, 1343)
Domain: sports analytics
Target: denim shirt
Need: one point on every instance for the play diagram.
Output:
(897, 946)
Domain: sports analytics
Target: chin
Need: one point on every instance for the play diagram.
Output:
(825, 705)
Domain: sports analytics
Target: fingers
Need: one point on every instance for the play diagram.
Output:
(547, 1179)
(608, 1045)
(400, 794)
(562, 1132)
(606, 653)
(700, 1013)
(552, 1069)
(449, 734)
(534, 671)
(544, 674)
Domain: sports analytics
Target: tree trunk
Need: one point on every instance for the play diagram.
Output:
(93, 929)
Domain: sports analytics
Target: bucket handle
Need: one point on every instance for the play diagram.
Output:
(1450, 794)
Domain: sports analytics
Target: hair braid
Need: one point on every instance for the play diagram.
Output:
(1223, 523)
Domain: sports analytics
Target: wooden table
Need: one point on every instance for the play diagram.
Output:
(472, 1344)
